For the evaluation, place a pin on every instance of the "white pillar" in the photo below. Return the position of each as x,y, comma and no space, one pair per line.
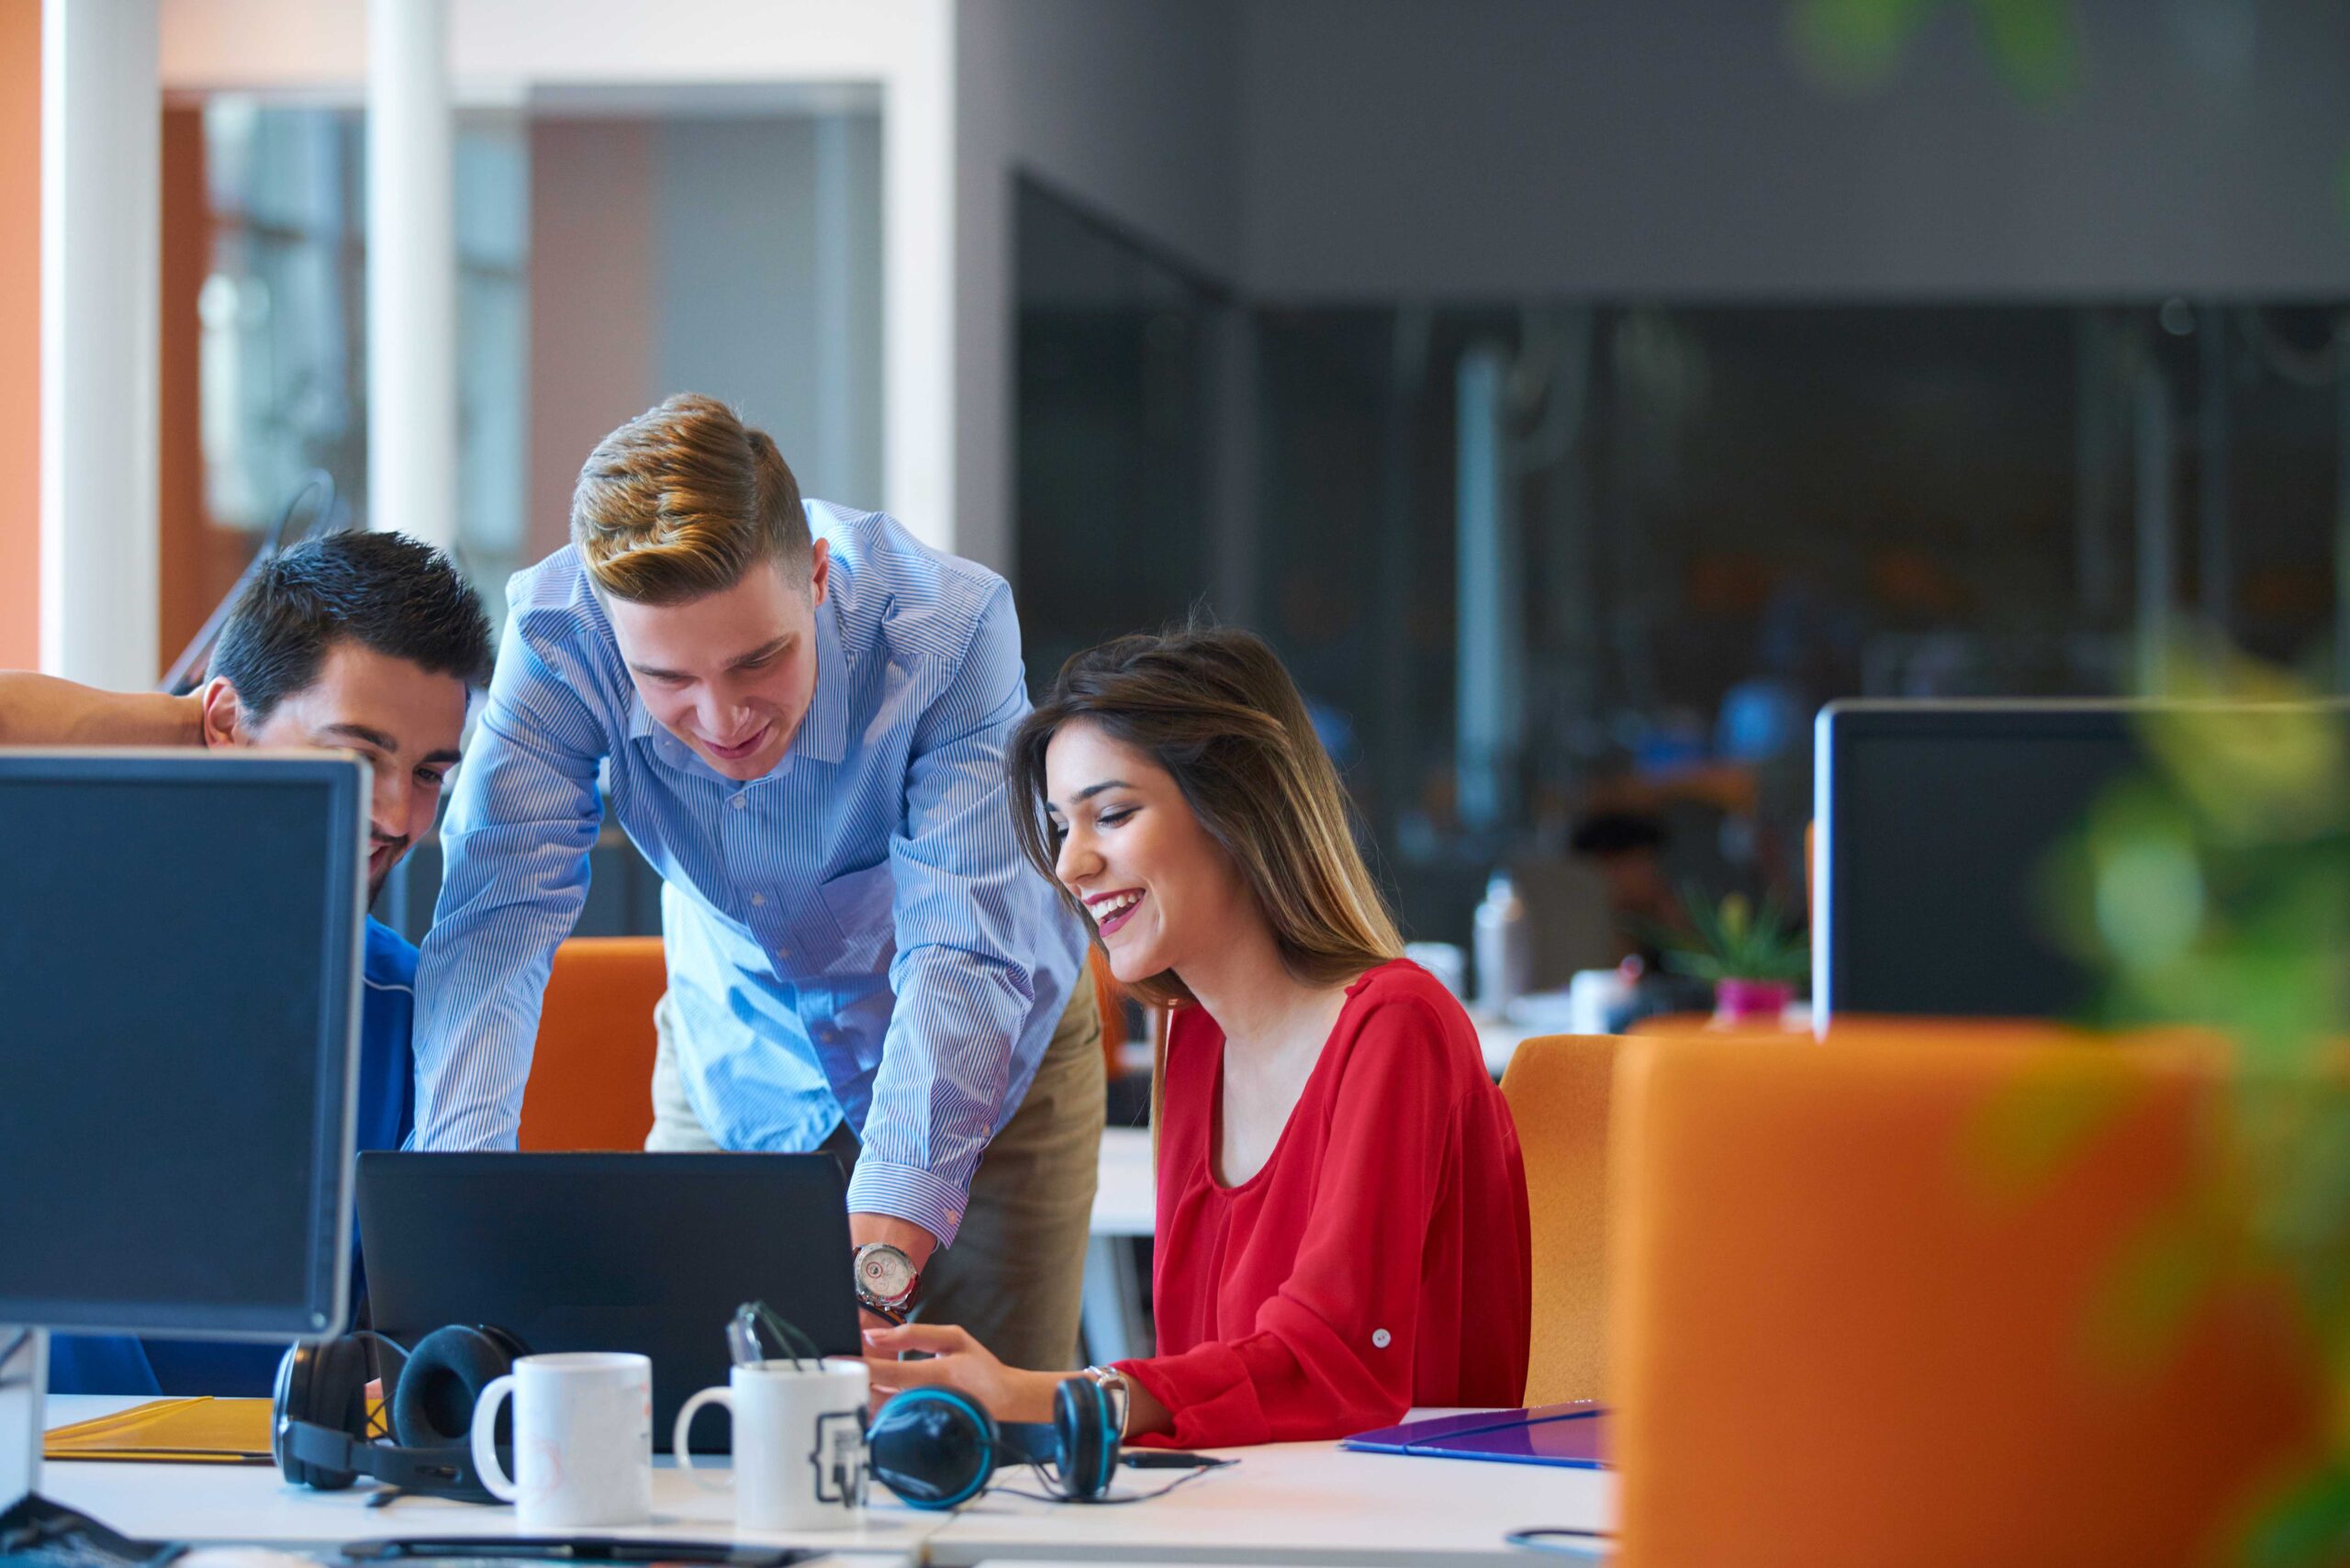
411,273
921,350
1487,549
101,200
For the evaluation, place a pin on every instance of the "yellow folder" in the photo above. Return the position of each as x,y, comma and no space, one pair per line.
172,1431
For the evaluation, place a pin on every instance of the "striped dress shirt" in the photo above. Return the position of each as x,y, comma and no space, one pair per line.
853,936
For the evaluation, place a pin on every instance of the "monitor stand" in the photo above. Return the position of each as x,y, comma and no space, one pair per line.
23,1385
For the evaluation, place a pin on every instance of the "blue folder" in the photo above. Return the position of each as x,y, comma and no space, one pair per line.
1573,1434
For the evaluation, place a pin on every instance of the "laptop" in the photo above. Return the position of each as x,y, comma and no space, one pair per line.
644,1252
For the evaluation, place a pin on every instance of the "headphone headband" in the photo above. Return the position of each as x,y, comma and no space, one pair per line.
439,1472
320,1434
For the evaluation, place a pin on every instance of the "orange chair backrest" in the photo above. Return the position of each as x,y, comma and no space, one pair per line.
591,1075
1872,1303
1110,998
1558,1087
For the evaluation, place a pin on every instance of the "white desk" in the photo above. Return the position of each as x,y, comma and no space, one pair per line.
252,1503
1126,1206
1126,1200
1298,1504
1498,1041
1295,1503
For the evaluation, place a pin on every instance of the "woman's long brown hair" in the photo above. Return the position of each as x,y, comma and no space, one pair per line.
1213,707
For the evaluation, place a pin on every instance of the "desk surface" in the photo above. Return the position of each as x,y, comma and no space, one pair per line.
252,1503
1126,1202
1290,1504
1295,1503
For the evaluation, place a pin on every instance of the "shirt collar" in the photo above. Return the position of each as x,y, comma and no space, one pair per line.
823,734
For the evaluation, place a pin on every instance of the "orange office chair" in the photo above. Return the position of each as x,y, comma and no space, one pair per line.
591,1076
1558,1087
1895,1298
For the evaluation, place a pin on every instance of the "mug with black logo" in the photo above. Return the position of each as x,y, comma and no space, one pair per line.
800,1462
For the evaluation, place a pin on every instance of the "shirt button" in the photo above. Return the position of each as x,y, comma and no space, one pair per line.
1379,1339
758,898
783,952
736,802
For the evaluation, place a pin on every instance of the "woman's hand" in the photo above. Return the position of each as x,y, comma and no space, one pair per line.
960,1363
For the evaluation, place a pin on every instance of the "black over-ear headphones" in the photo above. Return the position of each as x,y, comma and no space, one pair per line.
937,1447
319,1431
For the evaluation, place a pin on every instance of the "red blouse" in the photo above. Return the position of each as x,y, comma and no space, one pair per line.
1380,1258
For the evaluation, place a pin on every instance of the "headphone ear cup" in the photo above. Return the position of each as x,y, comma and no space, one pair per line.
433,1403
933,1447
321,1386
1088,1447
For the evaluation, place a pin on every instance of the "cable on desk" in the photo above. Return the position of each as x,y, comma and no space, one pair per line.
1045,1476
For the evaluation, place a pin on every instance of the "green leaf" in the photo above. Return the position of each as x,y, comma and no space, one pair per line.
1854,44
2034,43
2308,1526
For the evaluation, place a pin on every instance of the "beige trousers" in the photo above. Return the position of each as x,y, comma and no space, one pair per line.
1015,1276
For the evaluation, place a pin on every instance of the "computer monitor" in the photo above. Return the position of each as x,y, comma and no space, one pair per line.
180,940
1935,823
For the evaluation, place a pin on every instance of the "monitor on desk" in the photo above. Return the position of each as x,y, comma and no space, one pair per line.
179,957
1935,824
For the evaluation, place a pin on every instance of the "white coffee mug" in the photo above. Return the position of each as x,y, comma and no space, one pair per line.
799,1442
583,1440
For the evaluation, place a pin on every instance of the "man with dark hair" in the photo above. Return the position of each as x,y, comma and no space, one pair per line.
368,643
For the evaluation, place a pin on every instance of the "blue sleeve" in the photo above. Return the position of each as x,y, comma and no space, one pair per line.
100,1364
515,844
975,925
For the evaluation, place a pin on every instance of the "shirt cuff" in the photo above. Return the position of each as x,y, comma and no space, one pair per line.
1207,1392
908,1193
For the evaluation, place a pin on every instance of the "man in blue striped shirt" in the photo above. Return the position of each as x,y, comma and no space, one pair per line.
799,715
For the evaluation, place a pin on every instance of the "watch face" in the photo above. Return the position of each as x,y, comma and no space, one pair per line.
886,1273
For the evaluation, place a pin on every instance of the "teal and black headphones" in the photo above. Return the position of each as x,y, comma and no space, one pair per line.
937,1447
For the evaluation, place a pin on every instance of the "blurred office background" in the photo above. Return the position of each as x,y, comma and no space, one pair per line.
1577,395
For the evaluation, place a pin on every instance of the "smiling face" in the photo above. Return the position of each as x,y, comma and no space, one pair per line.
731,674
404,719
1158,886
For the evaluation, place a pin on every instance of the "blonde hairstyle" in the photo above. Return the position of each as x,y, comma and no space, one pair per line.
682,501
1213,707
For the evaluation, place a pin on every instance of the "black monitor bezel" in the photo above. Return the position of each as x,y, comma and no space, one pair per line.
345,782
1840,724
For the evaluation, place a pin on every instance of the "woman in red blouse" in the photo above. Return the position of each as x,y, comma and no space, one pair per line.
1342,1223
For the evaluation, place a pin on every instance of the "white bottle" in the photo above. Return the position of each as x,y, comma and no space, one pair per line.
1505,947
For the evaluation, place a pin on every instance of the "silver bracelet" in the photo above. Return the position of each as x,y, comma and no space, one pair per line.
1113,1383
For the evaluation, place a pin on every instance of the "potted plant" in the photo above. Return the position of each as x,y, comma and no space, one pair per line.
2213,889
1753,957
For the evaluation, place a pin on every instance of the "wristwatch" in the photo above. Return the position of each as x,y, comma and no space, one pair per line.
1113,1385
886,1281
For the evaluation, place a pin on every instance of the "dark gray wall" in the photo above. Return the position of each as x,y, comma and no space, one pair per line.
1465,148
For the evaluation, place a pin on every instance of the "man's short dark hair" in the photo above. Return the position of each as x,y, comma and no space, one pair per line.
389,593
